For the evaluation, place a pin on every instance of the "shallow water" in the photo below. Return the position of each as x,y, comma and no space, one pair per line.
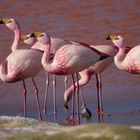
88,21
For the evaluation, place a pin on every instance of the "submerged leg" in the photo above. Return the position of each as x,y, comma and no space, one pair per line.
37,100
46,93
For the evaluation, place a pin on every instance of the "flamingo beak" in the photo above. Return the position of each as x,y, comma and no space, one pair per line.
66,104
4,21
36,34
108,38
1,22
32,35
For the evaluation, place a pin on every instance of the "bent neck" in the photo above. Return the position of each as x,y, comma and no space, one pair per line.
16,39
118,59
46,58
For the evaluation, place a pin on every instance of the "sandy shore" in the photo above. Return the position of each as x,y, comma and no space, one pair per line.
18,128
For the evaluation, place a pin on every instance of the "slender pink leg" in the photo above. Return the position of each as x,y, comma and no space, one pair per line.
46,93
37,100
25,97
66,86
66,82
77,98
73,94
54,96
82,98
99,94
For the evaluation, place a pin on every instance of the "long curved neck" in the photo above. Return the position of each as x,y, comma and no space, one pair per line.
6,76
3,72
16,39
46,58
118,59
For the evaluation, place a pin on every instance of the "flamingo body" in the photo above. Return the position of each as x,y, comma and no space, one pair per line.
97,68
21,64
131,63
70,59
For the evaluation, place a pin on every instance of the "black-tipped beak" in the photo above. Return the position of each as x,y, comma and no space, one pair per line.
108,38
32,35
1,22
66,104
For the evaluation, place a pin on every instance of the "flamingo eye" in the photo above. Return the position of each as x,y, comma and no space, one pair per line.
10,21
41,35
116,38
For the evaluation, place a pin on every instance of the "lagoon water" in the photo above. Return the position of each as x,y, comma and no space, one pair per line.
88,21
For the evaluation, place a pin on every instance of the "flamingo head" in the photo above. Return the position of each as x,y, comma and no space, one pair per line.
118,40
67,99
41,37
28,39
11,23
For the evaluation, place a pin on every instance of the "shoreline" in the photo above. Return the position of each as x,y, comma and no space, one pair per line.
25,128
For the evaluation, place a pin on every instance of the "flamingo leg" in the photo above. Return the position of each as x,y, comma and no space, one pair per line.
66,86
73,94
54,96
46,93
37,100
99,94
66,82
25,97
86,113
100,118
77,98
82,98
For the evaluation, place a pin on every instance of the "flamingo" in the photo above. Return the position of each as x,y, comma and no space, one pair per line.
69,59
20,63
129,63
57,43
96,69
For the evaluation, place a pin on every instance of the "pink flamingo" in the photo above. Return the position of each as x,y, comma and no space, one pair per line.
56,44
20,63
129,63
69,59
30,40
96,69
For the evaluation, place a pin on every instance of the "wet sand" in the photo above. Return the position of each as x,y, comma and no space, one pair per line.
85,21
